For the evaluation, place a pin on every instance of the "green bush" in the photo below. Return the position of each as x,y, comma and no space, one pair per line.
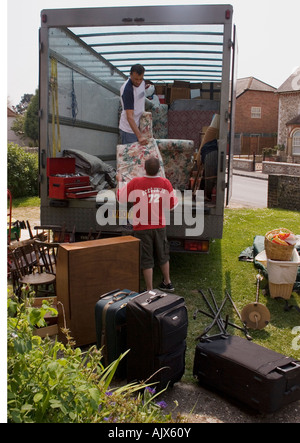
49,382
22,172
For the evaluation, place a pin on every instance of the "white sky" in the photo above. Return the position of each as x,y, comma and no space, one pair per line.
268,37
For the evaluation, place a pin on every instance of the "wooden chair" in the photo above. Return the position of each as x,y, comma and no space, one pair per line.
55,233
47,232
26,269
47,253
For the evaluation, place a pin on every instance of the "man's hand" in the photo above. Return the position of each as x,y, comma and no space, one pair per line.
130,117
142,140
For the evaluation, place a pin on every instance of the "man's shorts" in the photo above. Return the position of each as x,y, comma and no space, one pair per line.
154,242
127,137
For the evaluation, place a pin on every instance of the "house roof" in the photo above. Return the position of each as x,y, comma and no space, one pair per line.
292,83
294,121
252,84
11,113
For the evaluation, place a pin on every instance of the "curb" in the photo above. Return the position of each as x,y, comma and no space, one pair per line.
255,174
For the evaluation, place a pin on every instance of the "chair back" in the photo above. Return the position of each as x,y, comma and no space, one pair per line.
47,253
23,258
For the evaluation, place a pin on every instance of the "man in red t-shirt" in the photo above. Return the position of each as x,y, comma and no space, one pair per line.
152,195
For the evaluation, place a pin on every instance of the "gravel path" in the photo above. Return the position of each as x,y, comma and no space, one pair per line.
201,405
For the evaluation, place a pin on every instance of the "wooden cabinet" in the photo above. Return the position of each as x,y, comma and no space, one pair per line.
85,271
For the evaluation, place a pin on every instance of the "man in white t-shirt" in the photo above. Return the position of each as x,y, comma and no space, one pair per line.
132,94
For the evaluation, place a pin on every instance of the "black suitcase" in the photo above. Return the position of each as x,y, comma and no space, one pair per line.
259,377
156,336
110,318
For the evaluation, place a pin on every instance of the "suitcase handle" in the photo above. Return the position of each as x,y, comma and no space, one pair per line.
108,293
154,297
116,295
117,298
290,367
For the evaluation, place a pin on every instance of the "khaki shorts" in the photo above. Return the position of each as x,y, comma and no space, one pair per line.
154,242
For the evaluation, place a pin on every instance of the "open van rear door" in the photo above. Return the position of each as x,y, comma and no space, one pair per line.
232,115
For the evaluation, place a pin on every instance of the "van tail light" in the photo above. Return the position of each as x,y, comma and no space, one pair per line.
196,245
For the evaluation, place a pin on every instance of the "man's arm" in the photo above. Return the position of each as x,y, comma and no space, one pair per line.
172,196
130,117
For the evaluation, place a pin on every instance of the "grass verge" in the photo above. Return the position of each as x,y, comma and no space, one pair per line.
25,201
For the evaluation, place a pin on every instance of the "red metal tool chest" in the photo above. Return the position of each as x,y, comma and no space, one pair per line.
64,182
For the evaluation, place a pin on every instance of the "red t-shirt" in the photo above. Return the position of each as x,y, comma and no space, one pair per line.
152,196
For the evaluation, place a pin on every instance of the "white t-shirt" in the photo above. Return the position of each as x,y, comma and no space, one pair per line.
132,97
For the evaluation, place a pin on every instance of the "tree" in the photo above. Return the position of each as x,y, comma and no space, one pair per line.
23,105
31,122
26,123
18,126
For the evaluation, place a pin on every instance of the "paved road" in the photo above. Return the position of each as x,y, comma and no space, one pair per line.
249,192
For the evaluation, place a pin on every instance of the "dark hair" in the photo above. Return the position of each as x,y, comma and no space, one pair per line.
152,165
139,69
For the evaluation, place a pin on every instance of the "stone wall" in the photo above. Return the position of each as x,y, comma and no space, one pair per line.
247,164
283,192
243,164
281,168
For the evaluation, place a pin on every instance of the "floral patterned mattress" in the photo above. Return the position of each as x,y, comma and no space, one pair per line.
175,155
131,159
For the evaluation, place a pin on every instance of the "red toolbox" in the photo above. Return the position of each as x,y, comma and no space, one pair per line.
64,182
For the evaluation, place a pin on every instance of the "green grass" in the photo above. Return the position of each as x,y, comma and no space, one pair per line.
221,270
25,201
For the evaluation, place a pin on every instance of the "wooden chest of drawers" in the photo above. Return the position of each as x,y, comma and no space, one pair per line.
85,271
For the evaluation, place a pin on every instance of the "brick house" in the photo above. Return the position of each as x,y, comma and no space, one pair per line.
289,116
256,116
11,136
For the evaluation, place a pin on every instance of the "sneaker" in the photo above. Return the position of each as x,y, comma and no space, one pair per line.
166,287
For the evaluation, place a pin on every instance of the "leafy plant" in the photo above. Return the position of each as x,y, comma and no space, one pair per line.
22,171
49,382
269,152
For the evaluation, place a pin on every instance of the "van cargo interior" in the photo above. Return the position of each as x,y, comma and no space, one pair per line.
86,56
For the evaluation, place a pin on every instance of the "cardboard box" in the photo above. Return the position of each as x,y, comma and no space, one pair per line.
177,93
160,89
161,92
181,84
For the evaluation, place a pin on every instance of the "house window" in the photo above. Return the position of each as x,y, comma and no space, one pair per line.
255,112
296,142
